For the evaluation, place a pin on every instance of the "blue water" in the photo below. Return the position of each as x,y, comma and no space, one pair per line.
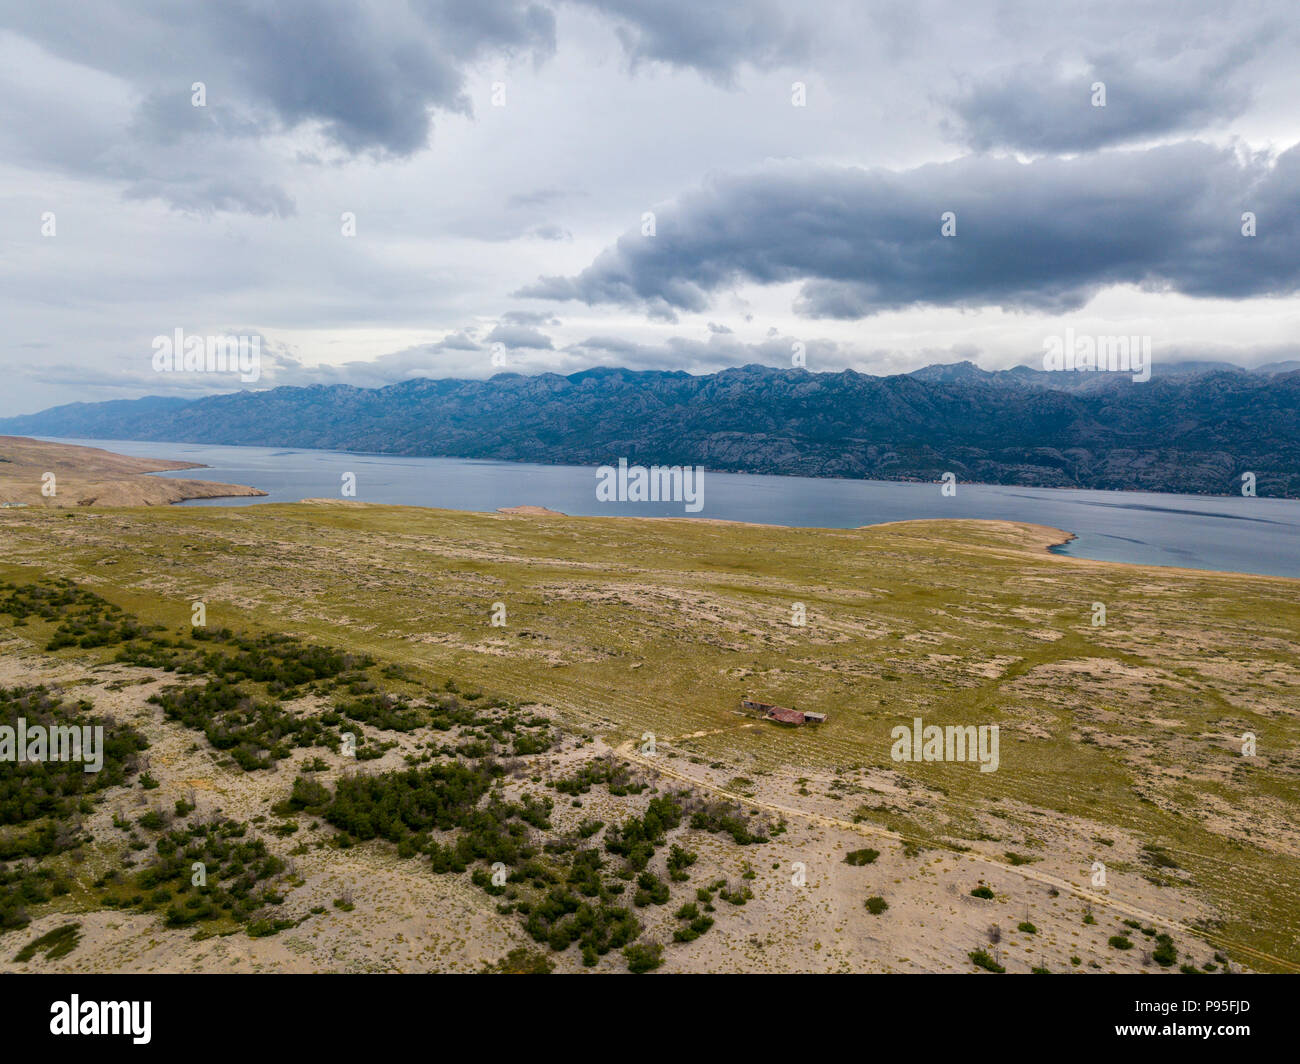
1195,531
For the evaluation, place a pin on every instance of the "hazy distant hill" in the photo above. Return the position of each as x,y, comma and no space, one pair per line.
1028,377
1193,431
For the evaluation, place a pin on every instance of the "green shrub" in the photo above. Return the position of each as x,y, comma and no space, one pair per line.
54,944
643,956
981,959
1165,954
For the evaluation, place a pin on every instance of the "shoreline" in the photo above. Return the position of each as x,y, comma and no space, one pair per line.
40,474
1048,538
133,471
723,472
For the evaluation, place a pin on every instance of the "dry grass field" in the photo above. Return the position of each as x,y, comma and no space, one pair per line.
1121,743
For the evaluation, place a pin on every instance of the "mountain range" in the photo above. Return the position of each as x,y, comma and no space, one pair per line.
1193,427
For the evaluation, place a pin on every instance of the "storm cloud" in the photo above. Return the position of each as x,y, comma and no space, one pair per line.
369,72
366,77
1044,235
355,191
1059,104
713,39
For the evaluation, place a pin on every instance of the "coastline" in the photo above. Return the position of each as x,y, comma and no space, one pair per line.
127,487
45,475
543,463
1036,541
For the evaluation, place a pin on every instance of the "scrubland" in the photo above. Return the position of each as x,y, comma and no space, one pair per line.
1121,744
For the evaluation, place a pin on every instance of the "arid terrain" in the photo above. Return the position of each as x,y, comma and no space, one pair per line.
1124,828
61,475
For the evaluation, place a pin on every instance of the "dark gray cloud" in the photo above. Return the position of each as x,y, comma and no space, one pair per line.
168,118
1045,235
1047,105
529,317
712,38
367,76
229,215
369,73
457,341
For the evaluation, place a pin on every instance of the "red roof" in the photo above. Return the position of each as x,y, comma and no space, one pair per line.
786,716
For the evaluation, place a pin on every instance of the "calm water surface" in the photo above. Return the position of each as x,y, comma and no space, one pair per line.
1197,531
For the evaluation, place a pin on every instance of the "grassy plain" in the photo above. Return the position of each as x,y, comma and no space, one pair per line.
1120,743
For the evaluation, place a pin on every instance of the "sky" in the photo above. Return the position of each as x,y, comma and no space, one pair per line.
457,188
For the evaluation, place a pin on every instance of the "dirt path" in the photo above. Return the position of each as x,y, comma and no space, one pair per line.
628,750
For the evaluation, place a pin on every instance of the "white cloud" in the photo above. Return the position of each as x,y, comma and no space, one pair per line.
230,218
